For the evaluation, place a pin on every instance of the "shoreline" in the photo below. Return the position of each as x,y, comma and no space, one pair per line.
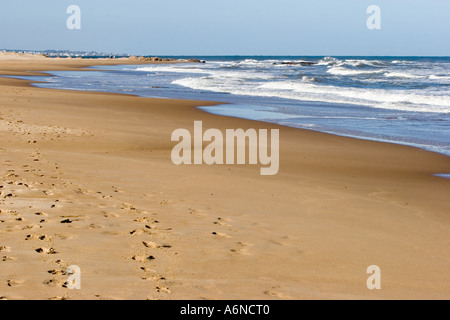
407,144
337,206
435,144
218,103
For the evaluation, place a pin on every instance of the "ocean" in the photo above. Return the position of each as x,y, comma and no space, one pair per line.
403,100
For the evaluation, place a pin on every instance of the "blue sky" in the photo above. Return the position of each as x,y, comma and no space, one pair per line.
229,27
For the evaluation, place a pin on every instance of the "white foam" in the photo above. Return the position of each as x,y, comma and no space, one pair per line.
363,63
210,71
173,69
402,75
402,62
308,79
435,77
299,90
328,61
342,71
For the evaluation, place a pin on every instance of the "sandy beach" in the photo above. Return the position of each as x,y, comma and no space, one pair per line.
87,180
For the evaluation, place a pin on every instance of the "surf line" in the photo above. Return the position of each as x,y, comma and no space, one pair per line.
229,148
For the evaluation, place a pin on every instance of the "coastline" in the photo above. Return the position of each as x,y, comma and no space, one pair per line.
337,206
270,92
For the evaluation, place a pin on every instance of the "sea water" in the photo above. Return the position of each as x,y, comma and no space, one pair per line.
403,100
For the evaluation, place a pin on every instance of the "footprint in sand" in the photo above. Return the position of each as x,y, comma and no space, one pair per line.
48,192
8,258
143,220
46,250
83,191
96,226
164,202
57,272
241,248
276,294
219,234
154,278
128,206
5,249
14,282
31,227
42,237
61,263
146,269
117,189
196,212
53,283
153,245
163,290
136,232
221,222
43,214
45,238
9,195
150,244
110,215
31,237
142,258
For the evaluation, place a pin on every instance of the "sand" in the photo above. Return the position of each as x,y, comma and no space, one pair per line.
87,180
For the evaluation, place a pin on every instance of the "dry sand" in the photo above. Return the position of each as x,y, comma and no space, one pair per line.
87,180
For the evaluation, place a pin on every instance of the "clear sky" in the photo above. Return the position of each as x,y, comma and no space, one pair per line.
229,27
